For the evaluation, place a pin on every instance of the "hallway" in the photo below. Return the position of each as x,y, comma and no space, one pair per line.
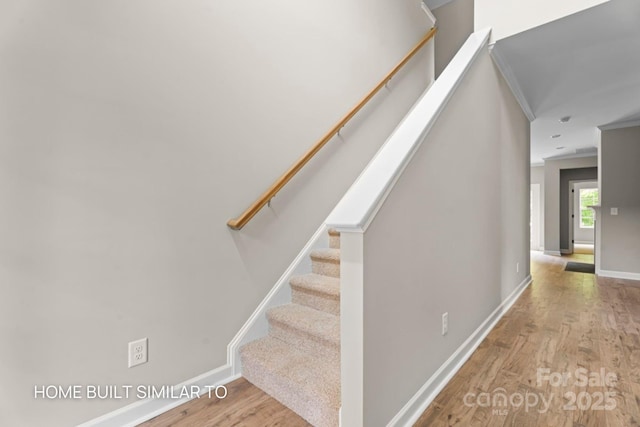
566,330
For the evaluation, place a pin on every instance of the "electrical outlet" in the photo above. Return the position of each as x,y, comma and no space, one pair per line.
614,211
445,323
138,352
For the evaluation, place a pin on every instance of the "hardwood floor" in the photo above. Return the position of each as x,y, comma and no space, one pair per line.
564,324
579,248
245,405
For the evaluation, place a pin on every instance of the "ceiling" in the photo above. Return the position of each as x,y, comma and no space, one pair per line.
586,66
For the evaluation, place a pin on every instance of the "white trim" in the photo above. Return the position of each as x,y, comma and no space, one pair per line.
352,328
257,325
620,125
410,413
571,219
597,245
618,274
571,156
427,11
512,82
535,215
358,207
552,253
143,410
583,242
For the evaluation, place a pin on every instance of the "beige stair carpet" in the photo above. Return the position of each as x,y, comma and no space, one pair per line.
298,363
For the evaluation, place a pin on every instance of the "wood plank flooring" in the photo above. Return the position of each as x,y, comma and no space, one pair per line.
245,405
563,322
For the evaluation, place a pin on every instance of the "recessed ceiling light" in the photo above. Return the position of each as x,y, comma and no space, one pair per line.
557,135
565,119
559,148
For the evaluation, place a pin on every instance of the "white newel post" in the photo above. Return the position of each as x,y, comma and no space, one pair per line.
351,328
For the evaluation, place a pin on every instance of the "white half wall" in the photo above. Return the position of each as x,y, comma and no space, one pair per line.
413,270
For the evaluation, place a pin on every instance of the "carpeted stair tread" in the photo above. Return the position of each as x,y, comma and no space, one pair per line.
317,291
317,283
298,362
307,322
327,255
326,262
307,385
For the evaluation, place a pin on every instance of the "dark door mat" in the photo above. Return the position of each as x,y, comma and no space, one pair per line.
580,267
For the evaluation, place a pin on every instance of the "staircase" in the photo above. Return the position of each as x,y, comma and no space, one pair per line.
298,362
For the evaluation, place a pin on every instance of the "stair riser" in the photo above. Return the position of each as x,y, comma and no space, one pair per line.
308,407
328,351
334,242
321,302
326,268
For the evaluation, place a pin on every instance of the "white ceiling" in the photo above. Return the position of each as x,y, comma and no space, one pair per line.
586,66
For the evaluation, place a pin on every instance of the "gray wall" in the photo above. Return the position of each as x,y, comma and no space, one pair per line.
130,132
414,271
455,24
552,170
566,175
620,187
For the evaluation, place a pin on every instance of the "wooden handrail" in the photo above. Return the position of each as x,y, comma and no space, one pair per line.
245,217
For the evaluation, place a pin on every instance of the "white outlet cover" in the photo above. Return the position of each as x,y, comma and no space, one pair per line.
138,352
614,211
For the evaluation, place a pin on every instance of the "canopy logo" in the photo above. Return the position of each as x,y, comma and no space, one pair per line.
501,402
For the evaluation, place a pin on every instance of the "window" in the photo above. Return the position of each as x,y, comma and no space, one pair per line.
588,197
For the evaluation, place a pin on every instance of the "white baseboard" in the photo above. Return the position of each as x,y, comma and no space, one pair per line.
565,252
618,274
410,413
553,253
583,242
143,410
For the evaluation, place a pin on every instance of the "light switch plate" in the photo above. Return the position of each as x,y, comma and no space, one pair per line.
614,211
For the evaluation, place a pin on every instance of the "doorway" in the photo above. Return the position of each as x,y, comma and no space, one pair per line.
582,219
